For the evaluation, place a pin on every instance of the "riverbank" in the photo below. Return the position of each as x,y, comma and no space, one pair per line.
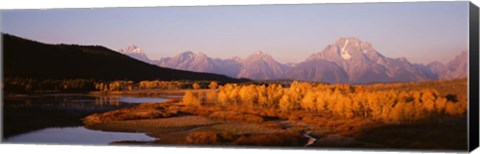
173,123
162,93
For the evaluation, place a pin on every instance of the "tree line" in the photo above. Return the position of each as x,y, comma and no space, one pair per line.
149,84
384,104
29,85
22,85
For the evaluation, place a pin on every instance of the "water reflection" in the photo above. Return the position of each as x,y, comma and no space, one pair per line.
141,99
76,135
117,100
107,101
23,114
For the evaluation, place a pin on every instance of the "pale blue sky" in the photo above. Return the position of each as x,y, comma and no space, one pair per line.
422,32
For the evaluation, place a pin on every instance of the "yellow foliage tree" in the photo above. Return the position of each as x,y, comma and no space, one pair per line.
211,97
192,99
397,114
223,97
308,101
321,102
213,85
196,86
285,103
188,98
248,95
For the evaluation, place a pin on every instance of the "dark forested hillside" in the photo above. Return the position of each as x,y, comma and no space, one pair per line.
30,59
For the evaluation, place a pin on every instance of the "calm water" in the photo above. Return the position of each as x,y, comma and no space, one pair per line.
56,118
76,135
140,99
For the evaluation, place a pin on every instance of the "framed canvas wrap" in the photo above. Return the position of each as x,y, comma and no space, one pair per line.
361,76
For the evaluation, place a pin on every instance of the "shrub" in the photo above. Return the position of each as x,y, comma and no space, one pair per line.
204,137
235,116
276,139
272,124
252,118
293,117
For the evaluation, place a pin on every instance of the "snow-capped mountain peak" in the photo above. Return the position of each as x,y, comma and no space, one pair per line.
135,52
259,52
347,60
201,54
344,52
355,61
185,55
351,46
259,55
236,58
132,48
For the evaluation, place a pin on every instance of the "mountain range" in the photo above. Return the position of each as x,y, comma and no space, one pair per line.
348,60
28,59
455,68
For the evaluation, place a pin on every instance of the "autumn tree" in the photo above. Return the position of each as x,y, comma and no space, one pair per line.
196,86
374,105
440,104
213,85
321,102
395,103
192,99
428,99
233,96
397,114
274,94
285,103
211,96
309,101
262,96
188,98
248,95
223,97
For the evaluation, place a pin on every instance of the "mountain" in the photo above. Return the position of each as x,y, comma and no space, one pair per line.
455,68
433,70
230,67
261,66
350,60
318,70
258,66
200,62
133,51
30,59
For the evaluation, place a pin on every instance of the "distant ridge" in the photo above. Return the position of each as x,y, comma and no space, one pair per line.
25,58
347,60
350,60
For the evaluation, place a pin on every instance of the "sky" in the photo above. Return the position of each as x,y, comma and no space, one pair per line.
422,32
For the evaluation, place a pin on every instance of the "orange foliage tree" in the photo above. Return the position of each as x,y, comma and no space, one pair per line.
383,102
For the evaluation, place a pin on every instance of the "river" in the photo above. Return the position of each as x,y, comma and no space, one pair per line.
56,118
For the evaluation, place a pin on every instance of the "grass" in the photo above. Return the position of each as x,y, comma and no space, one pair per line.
235,116
239,128
151,125
440,136
283,139
142,111
230,133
